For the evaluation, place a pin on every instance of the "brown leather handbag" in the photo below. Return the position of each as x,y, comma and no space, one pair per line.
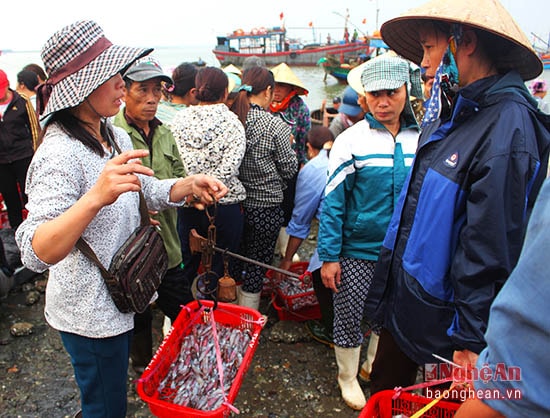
137,268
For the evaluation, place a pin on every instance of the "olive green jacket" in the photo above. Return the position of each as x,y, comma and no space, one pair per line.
164,159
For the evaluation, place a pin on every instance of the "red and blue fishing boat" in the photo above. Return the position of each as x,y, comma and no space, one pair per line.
274,47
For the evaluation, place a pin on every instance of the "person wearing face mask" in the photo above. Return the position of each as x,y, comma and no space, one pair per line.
457,231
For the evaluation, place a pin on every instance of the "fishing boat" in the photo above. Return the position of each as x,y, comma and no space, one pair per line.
543,49
339,68
274,47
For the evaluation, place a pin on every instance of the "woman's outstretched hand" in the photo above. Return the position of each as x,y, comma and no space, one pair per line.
119,176
205,190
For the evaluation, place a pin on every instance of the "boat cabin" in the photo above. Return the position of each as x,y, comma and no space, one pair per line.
258,41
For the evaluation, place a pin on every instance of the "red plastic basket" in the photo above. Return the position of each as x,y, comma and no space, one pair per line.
381,405
285,314
225,314
269,283
304,297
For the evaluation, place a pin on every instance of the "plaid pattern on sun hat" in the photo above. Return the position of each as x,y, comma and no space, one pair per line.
78,59
401,33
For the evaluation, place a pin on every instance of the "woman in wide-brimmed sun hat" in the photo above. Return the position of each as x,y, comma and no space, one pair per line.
77,185
457,232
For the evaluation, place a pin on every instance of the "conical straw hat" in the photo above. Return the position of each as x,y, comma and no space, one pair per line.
232,69
401,33
283,74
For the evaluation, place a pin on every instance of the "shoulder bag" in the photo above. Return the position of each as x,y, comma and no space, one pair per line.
138,266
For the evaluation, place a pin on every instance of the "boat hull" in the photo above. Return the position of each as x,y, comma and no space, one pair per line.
298,57
339,73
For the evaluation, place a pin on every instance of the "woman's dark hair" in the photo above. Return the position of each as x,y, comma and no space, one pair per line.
28,78
37,69
74,127
256,79
184,79
211,83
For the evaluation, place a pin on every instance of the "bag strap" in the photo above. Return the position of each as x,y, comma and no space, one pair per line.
144,212
87,250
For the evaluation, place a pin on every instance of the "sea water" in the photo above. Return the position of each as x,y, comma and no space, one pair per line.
313,78
170,57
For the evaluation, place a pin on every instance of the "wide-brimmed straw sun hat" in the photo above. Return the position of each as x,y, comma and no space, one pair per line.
283,74
78,59
401,33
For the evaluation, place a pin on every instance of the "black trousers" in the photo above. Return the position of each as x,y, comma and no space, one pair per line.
391,367
12,188
324,297
288,199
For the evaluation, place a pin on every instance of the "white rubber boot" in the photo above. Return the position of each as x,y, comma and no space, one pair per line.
166,325
348,365
250,300
366,367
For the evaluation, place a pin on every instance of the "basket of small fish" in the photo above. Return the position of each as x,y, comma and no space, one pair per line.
293,297
296,293
199,367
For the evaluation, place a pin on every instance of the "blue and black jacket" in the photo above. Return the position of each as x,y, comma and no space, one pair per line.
458,228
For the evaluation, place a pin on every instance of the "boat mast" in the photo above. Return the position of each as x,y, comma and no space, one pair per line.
377,13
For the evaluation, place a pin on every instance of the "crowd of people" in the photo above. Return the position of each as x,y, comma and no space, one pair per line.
427,188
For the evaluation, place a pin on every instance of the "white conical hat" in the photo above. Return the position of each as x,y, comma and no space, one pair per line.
401,33
232,69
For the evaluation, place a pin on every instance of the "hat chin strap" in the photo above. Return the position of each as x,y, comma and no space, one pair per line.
103,118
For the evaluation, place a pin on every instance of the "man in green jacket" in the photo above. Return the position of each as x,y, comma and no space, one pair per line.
142,95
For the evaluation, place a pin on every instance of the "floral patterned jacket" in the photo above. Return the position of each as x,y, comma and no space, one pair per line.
298,117
211,140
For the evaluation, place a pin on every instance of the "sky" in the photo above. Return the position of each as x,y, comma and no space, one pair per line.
192,22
